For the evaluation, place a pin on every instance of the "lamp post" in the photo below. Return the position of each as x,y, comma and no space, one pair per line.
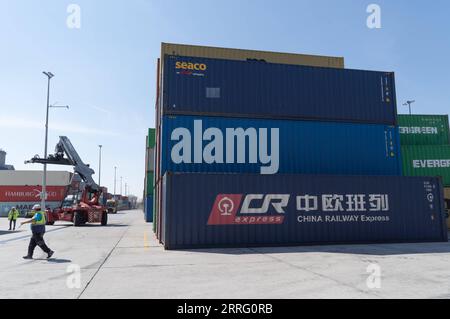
121,178
44,176
115,181
408,103
99,164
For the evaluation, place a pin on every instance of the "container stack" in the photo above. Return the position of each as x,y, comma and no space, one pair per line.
149,175
254,150
23,189
425,141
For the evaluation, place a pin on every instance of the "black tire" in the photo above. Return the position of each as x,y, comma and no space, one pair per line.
104,219
78,219
51,223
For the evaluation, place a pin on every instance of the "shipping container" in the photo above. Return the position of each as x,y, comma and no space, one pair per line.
424,129
239,210
24,207
150,181
149,209
146,153
251,55
155,210
31,193
427,160
32,178
151,138
232,145
195,86
447,204
150,156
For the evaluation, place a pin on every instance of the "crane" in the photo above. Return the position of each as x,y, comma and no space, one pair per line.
88,209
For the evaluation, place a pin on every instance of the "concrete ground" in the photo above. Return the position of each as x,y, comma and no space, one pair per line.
124,260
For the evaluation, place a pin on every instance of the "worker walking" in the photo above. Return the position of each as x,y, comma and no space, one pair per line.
12,217
38,229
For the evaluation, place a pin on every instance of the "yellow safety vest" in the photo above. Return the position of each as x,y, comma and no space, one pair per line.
13,214
39,218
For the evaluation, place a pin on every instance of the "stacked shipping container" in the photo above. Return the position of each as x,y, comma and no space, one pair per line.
149,175
235,116
252,56
425,141
23,189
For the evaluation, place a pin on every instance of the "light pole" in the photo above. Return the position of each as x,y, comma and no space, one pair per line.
125,189
408,103
99,164
121,185
115,181
44,176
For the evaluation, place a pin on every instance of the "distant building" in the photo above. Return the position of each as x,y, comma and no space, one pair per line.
3,166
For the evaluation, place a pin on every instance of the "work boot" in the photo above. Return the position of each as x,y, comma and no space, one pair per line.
50,254
27,257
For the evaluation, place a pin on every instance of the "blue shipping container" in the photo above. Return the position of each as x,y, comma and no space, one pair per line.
232,145
200,86
239,210
149,209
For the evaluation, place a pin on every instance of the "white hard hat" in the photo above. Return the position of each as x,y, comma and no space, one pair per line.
36,207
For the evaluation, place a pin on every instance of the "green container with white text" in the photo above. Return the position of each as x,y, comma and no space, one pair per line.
424,129
427,160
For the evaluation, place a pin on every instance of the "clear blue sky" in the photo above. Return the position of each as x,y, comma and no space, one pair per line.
106,70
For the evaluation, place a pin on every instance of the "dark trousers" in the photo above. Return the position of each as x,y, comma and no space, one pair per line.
37,240
11,222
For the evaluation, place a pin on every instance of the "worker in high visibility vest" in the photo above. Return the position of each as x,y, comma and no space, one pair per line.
12,217
38,229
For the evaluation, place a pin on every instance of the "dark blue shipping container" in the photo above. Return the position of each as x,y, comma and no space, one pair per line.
149,209
238,210
204,144
200,86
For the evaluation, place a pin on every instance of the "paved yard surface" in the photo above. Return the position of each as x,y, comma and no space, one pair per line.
124,260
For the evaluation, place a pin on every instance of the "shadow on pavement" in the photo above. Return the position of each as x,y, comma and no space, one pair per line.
59,261
109,225
369,249
7,232
54,260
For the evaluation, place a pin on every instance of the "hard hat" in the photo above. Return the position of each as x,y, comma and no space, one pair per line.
13,208
36,207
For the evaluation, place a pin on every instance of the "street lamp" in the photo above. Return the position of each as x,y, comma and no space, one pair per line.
99,164
408,103
121,178
44,177
115,179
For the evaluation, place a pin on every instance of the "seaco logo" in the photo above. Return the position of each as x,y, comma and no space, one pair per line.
233,146
190,66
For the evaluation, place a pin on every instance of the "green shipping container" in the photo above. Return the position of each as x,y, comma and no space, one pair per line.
427,160
149,181
424,129
151,139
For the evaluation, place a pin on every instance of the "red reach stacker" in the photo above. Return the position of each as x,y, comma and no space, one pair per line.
83,205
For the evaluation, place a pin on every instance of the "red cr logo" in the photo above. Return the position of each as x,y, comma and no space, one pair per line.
226,208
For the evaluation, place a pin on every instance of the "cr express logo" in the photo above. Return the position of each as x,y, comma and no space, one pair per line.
254,210
190,66
270,209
